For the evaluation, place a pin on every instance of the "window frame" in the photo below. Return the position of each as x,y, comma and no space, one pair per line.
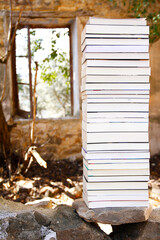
16,111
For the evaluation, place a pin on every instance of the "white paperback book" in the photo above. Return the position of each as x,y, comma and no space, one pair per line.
115,203
98,93
111,36
114,79
120,171
115,71
115,63
112,29
98,116
116,49
115,155
114,137
109,56
114,107
116,185
115,86
115,127
114,42
118,166
124,21
115,146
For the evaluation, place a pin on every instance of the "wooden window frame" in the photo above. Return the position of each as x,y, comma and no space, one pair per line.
16,111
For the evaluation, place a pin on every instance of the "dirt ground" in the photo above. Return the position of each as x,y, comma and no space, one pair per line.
61,182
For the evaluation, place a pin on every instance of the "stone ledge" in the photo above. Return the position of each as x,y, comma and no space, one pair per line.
113,216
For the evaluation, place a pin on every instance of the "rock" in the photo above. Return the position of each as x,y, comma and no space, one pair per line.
149,230
11,209
42,219
23,226
113,216
20,222
69,226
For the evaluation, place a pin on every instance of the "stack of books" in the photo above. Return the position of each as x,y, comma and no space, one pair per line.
115,104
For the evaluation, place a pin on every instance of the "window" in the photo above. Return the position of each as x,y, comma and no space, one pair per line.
57,79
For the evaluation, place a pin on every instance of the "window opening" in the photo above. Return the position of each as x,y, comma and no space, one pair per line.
51,49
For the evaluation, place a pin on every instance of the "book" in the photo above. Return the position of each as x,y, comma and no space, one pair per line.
117,166
114,127
115,63
114,79
115,86
115,71
116,49
115,155
116,92
111,29
119,171
114,107
114,137
117,197
108,56
115,120
115,203
118,160
118,116
118,178
124,21
116,99
116,185
114,41
115,146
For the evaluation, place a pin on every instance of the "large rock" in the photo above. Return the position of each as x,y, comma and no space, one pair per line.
69,226
20,222
149,230
113,216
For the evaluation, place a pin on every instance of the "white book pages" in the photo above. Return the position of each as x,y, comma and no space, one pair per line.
106,29
115,56
115,107
117,185
114,79
114,137
124,21
119,172
116,49
114,178
116,161
119,167
115,146
115,155
116,92
116,100
115,71
116,42
118,204
115,120
102,115
116,63
115,127
115,86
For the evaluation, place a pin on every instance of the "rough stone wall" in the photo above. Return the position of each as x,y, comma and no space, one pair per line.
55,139
155,98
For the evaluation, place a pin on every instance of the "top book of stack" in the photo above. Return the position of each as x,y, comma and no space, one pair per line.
115,39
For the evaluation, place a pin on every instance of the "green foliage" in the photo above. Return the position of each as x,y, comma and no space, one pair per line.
146,9
36,45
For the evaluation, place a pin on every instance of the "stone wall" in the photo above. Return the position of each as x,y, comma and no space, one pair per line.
154,126
55,139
